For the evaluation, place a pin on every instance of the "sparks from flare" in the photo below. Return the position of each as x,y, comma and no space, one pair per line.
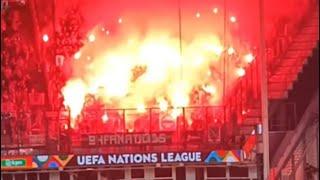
233,19
215,10
231,50
240,72
120,20
77,55
92,38
163,104
141,108
249,58
198,15
45,38
105,118
209,89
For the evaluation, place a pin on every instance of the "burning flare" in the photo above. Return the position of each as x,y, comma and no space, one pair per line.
135,74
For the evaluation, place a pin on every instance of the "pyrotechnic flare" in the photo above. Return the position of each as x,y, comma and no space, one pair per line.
133,73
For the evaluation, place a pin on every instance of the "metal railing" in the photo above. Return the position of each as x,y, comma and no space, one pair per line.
280,161
187,128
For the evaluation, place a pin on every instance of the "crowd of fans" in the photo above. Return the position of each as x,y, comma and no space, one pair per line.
61,50
20,77
31,83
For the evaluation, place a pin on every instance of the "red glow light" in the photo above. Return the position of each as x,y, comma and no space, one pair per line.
249,58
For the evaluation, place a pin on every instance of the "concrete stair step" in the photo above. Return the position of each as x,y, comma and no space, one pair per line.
274,95
297,53
297,40
302,45
312,39
251,121
297,56
283,70
309,34
309,30
313,23
279,86
281,79
292,63
313,18
286,70
246,130
306,38
300,61
256,112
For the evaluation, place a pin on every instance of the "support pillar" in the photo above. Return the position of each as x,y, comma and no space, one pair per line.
227,172
149,173
71,176
317,132
253,172
264,93
174,176
190,173
54,176
127,173
99,175
205,173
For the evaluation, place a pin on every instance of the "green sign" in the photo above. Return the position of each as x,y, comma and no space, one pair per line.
13,163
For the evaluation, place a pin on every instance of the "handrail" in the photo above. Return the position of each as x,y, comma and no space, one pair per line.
294,141
208,132
305,149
